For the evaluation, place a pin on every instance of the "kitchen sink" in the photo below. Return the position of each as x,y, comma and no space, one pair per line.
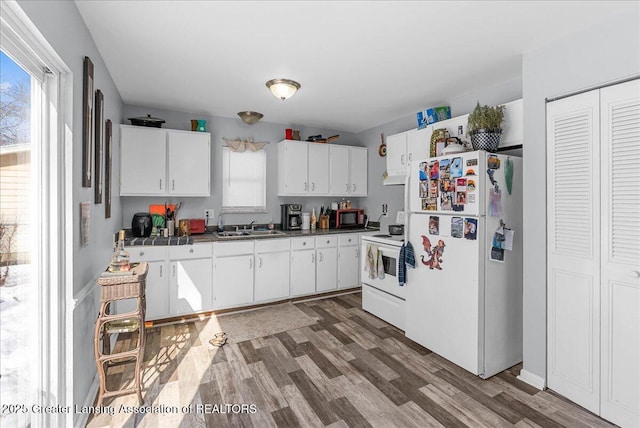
245,233
232,234
265,232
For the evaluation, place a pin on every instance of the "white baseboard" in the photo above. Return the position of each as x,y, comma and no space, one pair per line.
532,379
83,418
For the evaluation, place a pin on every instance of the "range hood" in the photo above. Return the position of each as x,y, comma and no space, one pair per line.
395,179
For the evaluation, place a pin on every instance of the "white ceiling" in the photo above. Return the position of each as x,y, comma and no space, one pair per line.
360,63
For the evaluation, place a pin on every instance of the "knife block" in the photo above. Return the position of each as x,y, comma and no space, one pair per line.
323,222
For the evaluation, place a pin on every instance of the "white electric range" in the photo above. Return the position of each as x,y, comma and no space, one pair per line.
382,295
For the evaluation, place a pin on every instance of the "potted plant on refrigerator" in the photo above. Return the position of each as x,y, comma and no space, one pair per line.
484,127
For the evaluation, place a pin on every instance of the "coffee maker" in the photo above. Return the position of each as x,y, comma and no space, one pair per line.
291,216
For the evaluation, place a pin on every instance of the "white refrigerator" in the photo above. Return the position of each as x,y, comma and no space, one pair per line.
464,298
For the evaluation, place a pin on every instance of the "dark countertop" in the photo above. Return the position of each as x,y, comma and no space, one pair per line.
212,237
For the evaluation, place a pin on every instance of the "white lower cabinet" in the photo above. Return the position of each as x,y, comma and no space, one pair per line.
190,284
303,266
348,261
326,263
272,270
233,274
157,286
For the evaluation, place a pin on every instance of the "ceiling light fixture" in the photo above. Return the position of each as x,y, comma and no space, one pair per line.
283,88
250,117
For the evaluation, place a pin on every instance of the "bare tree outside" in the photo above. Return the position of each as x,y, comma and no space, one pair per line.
15,101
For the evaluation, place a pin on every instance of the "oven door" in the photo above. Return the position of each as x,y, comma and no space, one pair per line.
389,283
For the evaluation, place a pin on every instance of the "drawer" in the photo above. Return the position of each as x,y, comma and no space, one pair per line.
147,253
194,251
302,243
326,241
273,245
232,248
349,239
384,306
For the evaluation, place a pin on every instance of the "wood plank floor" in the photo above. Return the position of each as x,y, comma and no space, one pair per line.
350,369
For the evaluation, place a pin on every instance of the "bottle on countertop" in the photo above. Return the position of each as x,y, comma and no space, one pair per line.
120,258
220,224
313,220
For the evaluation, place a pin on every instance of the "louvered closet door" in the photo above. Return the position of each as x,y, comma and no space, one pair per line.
573,246
620,256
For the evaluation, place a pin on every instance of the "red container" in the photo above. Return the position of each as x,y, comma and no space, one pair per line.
196,225
288,134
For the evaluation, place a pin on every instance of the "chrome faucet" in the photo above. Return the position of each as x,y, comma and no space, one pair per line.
252,225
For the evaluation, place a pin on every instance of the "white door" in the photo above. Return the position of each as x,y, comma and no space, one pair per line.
157,291
190,286
296,171
327,269
234,283
318,169
418,143
348,266
339,170
143,157
397,153
358,171
189,160
620,257
272,276
303,272
573,247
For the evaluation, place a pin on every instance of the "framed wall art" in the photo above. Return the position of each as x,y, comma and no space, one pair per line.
108,151
87,121
99,145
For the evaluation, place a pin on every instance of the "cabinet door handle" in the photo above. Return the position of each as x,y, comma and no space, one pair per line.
410,157
313,186
141,253
313,258
260,260
161,184
347,187
319,257
160,271
354,188
306,186
250,263
635,274
191,250
174,271
304,243
173,184
402,159
357,252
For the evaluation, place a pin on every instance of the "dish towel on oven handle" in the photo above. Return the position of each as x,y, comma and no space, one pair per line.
371,264
407,258
380,265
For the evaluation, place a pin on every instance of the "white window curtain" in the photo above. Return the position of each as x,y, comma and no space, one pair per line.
244,181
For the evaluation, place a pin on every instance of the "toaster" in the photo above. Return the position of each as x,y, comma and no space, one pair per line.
197,225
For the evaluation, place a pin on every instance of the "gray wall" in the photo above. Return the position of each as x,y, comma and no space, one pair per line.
460,104
61,25
601,54
220,127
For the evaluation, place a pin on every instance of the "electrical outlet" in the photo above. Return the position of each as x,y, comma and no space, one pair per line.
209,214
400,217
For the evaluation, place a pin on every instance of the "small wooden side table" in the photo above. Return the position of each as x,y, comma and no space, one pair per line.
112,289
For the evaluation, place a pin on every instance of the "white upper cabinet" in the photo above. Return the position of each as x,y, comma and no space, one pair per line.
397,154
189,163
339,170
358,171
158,161
418,142
143,159
293,168
317,169
512,125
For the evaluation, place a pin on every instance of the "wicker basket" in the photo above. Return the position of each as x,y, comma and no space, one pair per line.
489,141
125,286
